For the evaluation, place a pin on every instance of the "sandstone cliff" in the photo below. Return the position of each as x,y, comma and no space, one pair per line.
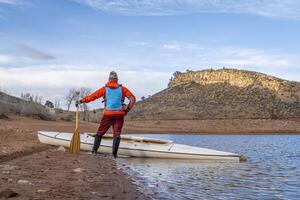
222,94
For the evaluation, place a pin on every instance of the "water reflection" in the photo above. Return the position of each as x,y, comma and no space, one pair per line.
272,170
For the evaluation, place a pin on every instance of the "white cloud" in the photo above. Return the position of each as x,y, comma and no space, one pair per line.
193,56
268,8
12,2
139,43
54,81
144,73
244,57
5,58
176,45
172,46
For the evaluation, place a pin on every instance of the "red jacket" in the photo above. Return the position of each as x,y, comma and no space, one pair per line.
101,93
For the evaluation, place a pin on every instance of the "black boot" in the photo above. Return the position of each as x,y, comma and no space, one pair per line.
115,146
96,144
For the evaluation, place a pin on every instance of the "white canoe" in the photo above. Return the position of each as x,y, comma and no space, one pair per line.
139,147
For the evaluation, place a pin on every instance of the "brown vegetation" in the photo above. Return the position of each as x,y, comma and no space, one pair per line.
222,94
13,105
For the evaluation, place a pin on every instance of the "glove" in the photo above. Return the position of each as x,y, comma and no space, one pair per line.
126,111
78,102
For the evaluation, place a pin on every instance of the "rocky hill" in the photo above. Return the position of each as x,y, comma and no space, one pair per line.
14,105
222,94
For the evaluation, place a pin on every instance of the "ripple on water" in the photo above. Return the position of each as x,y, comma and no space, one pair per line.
271,172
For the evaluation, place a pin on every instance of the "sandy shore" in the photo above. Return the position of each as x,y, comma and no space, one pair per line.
222,126
228,126
54,174
31,170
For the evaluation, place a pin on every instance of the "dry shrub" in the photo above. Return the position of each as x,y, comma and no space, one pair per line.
14,105
67,118
3,116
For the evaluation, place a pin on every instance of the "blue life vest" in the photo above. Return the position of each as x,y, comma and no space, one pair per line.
113,98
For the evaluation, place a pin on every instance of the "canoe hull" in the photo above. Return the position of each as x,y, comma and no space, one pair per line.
168,150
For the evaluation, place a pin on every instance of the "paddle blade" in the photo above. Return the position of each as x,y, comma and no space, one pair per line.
75,143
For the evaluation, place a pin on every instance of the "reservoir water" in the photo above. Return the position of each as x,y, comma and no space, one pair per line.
272,170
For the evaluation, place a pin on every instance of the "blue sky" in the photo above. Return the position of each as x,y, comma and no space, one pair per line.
49,46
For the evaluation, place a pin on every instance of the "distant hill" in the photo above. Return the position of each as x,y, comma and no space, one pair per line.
14,105
222,94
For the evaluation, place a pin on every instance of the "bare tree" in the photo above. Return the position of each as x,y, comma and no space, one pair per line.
38,99
32,98
84,91
35,97
27,96
57,103
70,97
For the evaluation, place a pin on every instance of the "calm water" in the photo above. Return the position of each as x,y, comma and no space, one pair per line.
271,172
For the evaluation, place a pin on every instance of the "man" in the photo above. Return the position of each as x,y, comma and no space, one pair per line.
114,95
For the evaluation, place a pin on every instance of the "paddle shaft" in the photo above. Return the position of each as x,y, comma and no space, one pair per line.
77,121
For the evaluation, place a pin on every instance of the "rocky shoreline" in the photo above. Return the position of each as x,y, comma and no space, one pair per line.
55,174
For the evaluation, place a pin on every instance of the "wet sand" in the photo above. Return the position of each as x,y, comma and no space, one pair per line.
53,174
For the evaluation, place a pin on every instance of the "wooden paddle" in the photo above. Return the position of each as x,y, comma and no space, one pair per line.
75,142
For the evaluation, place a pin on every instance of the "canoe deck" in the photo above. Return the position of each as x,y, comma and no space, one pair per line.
132,146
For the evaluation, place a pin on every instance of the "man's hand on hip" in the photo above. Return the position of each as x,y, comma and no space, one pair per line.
126,110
